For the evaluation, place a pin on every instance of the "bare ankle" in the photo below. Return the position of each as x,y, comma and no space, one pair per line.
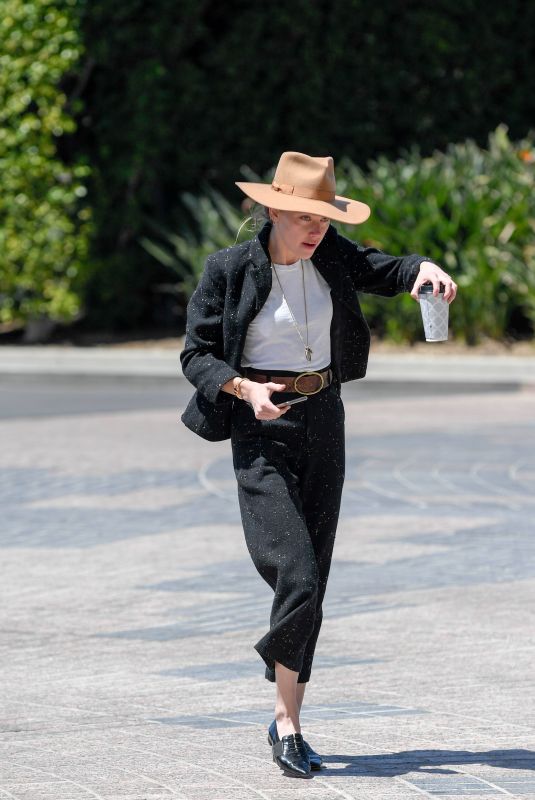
287,722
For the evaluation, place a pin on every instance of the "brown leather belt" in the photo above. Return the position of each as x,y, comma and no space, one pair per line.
299,382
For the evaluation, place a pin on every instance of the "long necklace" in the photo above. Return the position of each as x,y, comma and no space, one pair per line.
308,351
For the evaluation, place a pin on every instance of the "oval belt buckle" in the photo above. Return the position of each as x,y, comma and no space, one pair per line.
305,375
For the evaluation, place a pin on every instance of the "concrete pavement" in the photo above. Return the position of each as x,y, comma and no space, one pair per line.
130,605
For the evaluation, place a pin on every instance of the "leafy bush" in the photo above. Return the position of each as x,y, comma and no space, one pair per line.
44,220
469,209
472,211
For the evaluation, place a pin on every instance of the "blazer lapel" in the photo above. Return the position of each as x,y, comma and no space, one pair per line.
332,267
254,292
259,272
328,265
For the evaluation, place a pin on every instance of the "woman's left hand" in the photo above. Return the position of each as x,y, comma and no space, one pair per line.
432,273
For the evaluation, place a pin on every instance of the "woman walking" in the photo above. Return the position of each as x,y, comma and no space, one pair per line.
273,330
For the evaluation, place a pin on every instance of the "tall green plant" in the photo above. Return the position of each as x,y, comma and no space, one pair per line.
44,216
215,224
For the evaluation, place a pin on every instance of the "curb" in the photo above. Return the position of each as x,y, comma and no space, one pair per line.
165,363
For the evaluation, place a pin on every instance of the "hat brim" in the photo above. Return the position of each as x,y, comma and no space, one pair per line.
341,209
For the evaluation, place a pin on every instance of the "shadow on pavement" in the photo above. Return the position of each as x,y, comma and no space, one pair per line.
427,762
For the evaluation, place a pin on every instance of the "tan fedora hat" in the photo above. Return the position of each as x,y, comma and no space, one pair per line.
306,183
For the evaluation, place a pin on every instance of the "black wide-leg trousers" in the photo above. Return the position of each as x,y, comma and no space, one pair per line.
290,473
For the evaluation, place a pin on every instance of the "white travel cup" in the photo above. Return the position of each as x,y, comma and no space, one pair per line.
434,313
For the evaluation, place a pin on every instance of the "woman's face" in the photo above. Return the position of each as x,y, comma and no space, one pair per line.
296,234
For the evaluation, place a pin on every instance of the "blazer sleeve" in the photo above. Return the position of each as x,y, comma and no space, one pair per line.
388,275
202,358
377,272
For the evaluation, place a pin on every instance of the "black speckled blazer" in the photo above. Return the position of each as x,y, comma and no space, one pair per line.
233,288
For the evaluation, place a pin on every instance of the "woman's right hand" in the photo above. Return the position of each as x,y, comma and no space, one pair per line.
259,394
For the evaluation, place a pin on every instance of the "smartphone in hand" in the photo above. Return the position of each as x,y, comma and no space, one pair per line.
291,402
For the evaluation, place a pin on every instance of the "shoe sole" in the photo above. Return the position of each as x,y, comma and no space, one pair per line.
289,772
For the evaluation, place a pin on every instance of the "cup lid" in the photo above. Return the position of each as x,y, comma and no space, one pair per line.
427,288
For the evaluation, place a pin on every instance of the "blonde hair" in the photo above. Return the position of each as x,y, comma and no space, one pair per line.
258,215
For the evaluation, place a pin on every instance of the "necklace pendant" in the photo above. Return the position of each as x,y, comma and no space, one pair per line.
308,353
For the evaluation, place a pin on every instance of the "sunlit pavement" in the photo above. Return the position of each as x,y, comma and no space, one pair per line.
130,605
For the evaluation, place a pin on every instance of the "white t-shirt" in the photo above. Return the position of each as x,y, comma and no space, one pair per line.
272,342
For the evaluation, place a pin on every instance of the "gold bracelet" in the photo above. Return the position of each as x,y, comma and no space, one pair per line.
237,390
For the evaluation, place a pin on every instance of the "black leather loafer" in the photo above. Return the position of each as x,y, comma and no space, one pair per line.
291,756
316,761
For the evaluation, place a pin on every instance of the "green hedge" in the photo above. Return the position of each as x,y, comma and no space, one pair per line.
138,102
44,216
470,209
